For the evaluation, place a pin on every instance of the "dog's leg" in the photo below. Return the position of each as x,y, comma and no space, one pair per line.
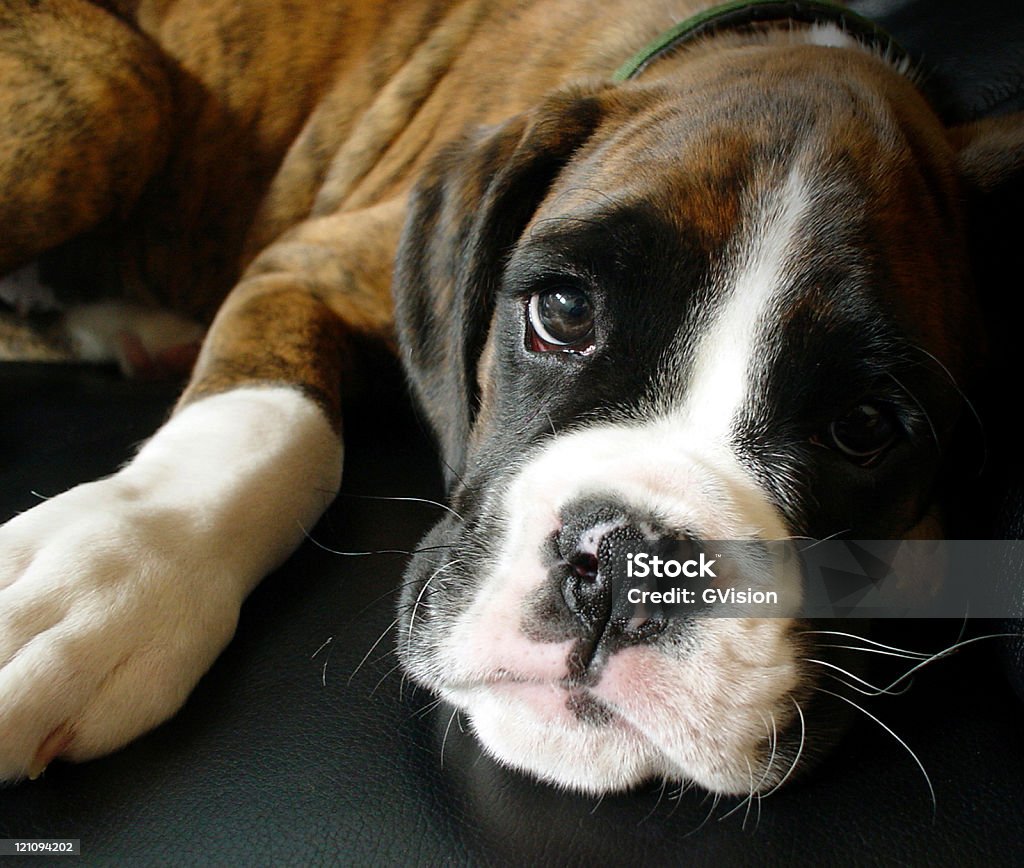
116,596
85,120
85,108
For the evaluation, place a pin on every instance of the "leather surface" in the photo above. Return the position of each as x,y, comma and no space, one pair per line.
292,751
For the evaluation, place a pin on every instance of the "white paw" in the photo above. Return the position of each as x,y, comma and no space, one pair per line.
108,617
116,596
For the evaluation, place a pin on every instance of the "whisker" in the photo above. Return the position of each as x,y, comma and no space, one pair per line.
714,807
323,671
831,536
323,645
875,651
406,552
429,707
906,747
799,750
864,692
385,595
425,500
447,729
963,395
862,639
657,804
956,385
772,737
385,677
874,690
773,740
684,788
750,798
452,471
419,597
366,656
947,651
747,800
920,407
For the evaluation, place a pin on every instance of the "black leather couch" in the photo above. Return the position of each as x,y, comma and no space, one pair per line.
296,750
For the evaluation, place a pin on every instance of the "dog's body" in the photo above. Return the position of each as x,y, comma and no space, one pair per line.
708,269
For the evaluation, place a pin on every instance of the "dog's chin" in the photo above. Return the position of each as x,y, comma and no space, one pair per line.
573,741
531,728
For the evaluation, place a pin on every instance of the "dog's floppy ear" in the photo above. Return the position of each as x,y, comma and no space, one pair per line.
990,153
990,161
465,215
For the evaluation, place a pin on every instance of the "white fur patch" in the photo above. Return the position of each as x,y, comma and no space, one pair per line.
116,596
728,350
833,36
829,36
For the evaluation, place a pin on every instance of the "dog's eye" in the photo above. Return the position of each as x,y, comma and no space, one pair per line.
561,318
865,432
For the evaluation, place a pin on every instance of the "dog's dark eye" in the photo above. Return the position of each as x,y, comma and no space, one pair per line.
561,318
865,432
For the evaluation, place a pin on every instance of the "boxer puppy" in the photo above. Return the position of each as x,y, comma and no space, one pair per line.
725,298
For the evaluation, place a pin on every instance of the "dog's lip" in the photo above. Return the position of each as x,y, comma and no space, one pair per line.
504,679
524,688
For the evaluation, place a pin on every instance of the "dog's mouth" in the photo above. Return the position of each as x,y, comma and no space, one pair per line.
647,716
556,703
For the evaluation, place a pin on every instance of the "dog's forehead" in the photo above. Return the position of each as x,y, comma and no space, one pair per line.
701,222
874,197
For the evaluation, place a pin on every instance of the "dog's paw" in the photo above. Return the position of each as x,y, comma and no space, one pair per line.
110,610
116,596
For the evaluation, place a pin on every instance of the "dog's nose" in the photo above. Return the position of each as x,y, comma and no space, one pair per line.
596,543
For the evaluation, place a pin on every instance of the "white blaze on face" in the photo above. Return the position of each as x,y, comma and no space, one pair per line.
732,349
705,716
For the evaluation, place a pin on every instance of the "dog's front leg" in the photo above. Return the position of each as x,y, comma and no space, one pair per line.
116,596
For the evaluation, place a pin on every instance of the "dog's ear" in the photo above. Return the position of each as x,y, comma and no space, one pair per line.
990,153
465,215
990,160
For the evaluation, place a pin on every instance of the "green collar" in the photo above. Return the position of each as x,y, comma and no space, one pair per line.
742,14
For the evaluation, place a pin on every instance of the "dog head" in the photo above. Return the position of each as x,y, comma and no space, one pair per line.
732,305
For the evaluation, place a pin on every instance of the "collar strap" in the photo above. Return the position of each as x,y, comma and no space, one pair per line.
745,14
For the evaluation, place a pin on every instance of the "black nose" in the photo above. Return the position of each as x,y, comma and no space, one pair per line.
595,542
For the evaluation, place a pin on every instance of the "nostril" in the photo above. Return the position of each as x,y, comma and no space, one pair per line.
585,566
586,591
